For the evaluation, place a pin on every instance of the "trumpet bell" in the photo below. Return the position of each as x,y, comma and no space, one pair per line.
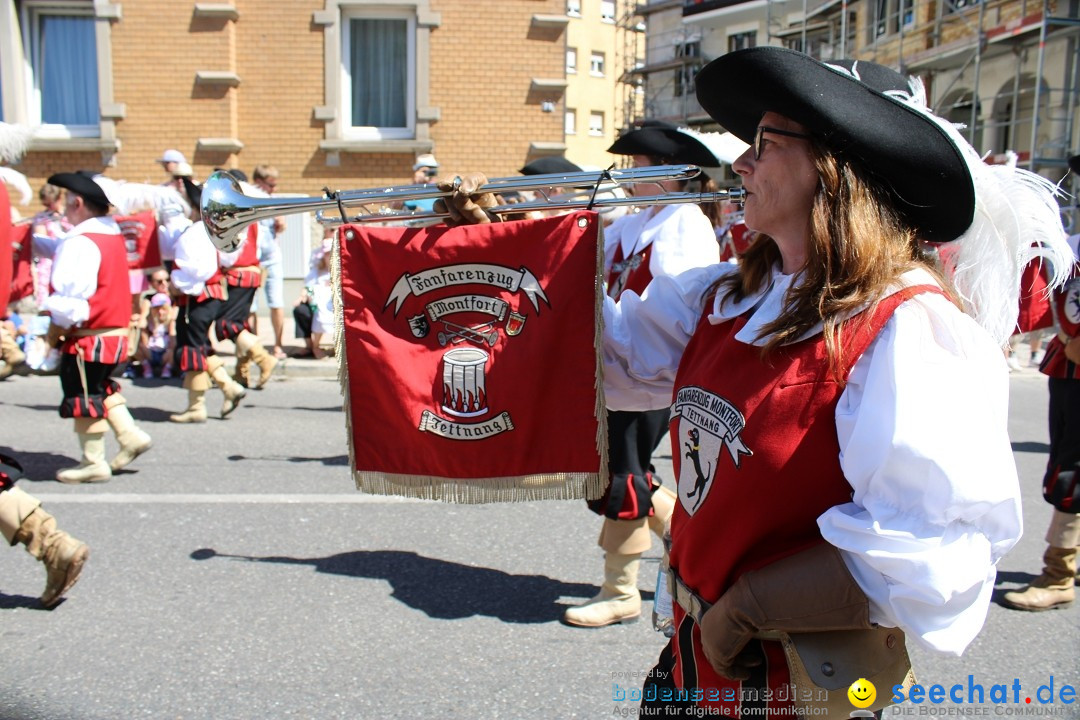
226,210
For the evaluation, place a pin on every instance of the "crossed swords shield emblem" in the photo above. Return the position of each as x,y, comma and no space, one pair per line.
455,333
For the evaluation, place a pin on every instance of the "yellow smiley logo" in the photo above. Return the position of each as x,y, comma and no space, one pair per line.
862,693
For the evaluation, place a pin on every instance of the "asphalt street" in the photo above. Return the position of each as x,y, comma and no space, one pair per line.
236,572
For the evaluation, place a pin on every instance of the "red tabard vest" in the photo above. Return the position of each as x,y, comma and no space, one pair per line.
6,258
213,289
632,274
248,258
110,305
764,433
1066,303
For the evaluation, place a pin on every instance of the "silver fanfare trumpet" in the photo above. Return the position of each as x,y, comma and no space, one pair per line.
226,210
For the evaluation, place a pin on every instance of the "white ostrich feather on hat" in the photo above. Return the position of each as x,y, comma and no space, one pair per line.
17,180
129,198
1017,219
14,140
726,147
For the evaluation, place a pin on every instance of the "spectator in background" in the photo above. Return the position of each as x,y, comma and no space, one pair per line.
47,227
157,340
169,160
314,309
425,172
265,177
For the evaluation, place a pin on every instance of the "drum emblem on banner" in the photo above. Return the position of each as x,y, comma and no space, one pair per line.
707,423
469,324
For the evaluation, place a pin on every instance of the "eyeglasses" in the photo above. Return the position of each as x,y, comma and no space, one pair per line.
759,137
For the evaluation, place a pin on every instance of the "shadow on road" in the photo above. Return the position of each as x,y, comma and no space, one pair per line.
153,414
331,460
1013,580
39,466
444,589
16,602
1030,447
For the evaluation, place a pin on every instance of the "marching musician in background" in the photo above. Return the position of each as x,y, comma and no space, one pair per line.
1054,586
91,307
657,241
197,285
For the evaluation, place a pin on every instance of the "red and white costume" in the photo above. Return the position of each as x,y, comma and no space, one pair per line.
196,274
1063,465
907,468
659,240
655,242
243,276
90,298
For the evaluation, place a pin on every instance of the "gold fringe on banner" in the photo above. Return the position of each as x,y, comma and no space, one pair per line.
595,490
475,491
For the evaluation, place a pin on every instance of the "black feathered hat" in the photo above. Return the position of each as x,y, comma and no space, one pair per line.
668,142
81,183
859,110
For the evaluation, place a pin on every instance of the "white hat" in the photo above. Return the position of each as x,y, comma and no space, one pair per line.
427,160
172,156
182,169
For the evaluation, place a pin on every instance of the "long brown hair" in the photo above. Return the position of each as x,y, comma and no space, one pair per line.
859,246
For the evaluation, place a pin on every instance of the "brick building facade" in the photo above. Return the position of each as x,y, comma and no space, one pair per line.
240,83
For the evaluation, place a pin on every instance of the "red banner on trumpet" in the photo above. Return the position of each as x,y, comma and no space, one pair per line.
470,359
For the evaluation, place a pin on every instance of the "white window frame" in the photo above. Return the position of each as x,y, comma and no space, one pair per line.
571,61
573,8
367,132
21,97
604,16
593,65
593,129
570,122
339,134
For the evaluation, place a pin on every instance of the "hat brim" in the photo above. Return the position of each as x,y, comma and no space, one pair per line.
81,184
906,151
668,144
549,165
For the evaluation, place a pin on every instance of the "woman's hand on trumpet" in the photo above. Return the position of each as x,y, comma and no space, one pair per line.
465,205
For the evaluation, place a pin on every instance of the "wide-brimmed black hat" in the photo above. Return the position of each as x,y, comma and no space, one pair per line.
1074,163
856,110
81,183
548,165
657,138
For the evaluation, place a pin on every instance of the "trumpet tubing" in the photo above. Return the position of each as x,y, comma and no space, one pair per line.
226,210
